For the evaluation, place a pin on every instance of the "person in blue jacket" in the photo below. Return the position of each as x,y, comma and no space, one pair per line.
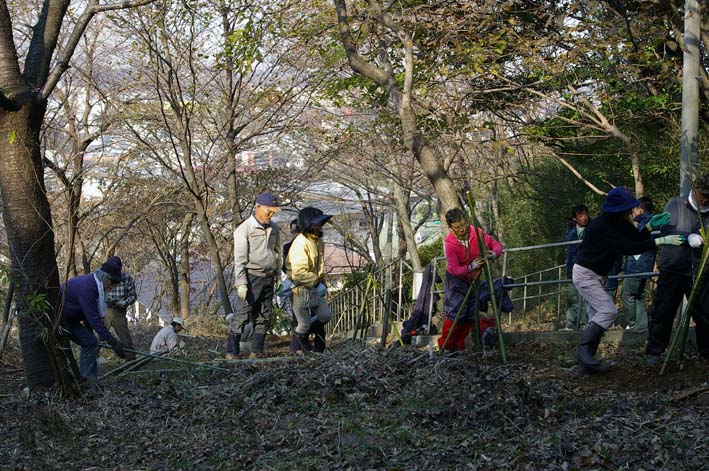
632,292
82,313
575,312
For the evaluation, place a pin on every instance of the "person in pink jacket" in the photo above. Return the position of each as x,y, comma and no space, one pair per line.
464,265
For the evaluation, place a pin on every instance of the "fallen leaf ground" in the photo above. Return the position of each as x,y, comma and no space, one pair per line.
357,407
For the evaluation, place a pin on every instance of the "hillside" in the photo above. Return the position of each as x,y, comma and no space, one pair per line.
360,408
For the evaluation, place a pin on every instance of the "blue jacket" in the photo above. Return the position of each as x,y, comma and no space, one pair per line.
571,249
646,261
81,304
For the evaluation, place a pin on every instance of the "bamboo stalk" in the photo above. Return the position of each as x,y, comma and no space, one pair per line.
680,334
387,310
368,286
488,275
175,360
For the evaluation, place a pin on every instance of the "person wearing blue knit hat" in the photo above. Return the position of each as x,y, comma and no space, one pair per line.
608,236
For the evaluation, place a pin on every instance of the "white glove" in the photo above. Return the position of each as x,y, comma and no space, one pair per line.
491,255
475,264
230,317
241,291
670,240
695,240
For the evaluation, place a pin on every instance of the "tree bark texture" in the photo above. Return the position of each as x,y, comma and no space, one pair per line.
431,163
28,223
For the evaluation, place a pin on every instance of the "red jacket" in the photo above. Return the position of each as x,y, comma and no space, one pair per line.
459,257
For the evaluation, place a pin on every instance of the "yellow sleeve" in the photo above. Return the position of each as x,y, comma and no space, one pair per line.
300,258
321,259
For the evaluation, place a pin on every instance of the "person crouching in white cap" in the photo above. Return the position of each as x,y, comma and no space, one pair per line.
167,340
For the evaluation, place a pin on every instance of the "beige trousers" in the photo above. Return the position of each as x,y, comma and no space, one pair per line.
116,318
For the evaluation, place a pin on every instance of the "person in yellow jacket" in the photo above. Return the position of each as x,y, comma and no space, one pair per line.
305,266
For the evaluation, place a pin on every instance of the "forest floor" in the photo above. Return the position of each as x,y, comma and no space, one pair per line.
357,407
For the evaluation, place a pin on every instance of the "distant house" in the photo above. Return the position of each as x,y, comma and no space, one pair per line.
340,263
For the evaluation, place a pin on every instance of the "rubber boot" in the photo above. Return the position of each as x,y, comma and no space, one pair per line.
294,343
587,348
305,342
257,342
318,328
232,346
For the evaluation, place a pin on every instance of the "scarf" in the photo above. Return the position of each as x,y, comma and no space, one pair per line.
101,297
695,205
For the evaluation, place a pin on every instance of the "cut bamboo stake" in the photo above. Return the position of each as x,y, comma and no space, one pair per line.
387,310
368,286
679,336
488,276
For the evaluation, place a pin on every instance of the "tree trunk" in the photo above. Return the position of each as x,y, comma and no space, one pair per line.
213,249
431,163
185,266
401,204
28,223
495,226
689,144
637,176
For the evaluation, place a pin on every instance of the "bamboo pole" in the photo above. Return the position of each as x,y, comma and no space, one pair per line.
679,336
362,307
175,360
387,311
488,275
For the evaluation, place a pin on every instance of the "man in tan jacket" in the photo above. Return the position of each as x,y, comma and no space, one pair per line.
257,266
305,265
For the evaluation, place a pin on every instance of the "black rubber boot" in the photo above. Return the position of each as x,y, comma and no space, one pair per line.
257,342
305,343
318,328
232,345
294,343
587,348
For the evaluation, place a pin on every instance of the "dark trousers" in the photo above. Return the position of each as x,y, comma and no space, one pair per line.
86,340
670,290
257,307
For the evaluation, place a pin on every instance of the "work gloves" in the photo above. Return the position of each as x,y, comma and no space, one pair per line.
695,240
670,240
659,220
491,255
475,264
117,347
241,291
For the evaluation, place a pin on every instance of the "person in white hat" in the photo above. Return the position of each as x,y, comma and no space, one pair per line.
167,339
